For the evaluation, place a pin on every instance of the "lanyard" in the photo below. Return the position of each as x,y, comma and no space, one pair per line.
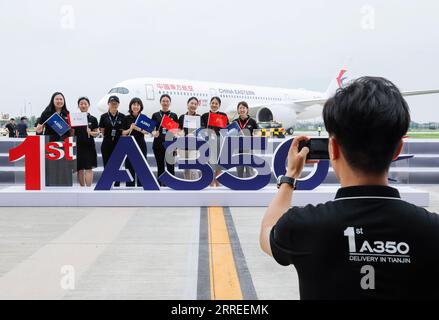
166,113
245,124
113,123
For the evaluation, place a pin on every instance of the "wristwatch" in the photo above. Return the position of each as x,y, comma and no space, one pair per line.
284,179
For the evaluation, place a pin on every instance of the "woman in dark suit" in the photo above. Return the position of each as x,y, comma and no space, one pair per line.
247,125
130,129
160,136
85,145
59,173
215,139
192,105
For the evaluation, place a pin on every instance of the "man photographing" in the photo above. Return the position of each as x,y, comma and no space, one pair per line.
367,243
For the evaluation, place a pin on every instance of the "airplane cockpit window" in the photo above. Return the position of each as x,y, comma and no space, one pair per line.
120,90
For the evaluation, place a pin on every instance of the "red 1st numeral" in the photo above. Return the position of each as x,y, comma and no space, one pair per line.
30,150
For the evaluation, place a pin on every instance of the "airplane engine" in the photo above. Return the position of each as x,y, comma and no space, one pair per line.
280,113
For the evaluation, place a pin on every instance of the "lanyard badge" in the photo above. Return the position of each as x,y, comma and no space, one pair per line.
113,124
164,130
245,124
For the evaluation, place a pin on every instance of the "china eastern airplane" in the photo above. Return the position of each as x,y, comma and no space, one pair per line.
286,106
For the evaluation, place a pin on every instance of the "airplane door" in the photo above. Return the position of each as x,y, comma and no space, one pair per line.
149,92
213,92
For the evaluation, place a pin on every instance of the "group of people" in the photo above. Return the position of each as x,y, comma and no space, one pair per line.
20,130
113,125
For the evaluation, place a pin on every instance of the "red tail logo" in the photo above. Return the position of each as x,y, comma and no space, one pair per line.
340,78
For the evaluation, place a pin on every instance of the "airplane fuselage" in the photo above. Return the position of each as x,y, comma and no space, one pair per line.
266,103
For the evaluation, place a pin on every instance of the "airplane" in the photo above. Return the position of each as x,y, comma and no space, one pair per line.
265,103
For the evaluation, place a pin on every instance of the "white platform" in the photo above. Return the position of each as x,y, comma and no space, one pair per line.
16,196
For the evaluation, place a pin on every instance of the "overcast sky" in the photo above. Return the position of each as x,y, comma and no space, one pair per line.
83,47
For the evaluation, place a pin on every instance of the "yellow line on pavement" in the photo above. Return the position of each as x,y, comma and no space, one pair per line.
224,281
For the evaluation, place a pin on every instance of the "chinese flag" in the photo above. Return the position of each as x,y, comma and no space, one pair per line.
169,124
217,120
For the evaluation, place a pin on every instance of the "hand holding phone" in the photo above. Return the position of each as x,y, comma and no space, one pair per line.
318,148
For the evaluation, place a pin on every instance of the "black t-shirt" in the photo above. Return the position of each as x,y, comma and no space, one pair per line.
157,117
139,136
334,246
22,130
110,123
48,131
81,132
249,123
11,128
205,121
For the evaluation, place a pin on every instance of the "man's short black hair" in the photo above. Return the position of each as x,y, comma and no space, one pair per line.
368,118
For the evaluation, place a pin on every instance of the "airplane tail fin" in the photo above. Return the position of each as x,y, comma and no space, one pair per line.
338,82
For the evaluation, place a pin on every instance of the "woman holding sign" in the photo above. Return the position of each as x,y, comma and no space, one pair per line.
57,105
215,120
188,123
131,129
85,144
53,123
167,121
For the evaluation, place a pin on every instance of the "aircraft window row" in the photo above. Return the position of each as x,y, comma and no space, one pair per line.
195,94
189,94
251,98
120,90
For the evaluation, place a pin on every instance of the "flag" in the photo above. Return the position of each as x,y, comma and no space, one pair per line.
197,133
78,119
168,123
191,122
233,128
57,123
217,120
145,123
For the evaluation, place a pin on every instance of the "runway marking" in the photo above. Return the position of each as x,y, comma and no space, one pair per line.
214,221
193,259
245,279
224,280
203,283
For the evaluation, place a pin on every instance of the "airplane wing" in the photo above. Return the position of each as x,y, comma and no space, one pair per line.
306,107
310,102
419,92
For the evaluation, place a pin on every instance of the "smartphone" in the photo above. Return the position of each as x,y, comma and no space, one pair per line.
318,148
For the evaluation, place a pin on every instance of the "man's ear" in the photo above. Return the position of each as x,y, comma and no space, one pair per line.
334,149
398,150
